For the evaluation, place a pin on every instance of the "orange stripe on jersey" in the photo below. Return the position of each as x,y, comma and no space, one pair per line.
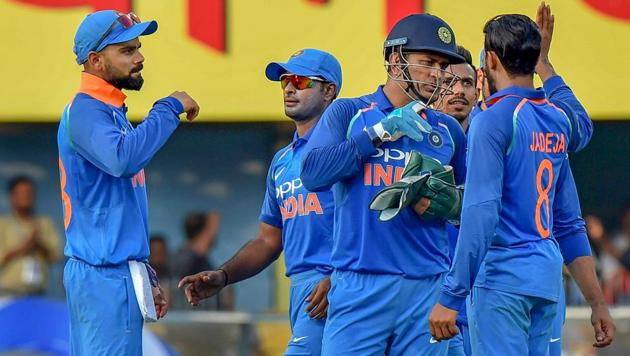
67,204
372,106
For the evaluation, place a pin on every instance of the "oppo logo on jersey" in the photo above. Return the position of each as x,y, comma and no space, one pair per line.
392,154
288,188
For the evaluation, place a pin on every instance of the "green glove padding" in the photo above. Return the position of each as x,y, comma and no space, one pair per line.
445,196
406,191
392,199
423,176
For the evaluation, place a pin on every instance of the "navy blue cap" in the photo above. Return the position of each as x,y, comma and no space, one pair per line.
94,26
308,62
424,32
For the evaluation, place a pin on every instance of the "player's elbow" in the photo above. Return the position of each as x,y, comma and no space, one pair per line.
311,177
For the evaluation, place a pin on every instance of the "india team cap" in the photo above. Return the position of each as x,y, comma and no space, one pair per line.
308,62
107,28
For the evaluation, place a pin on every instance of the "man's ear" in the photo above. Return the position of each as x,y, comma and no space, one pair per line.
95,61
331,91
394,64
492,60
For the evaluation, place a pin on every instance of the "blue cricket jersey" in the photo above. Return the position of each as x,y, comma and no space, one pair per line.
520,209
341,155
306,218
101,161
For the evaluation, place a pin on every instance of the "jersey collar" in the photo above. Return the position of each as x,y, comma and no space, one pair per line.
381,100
101,90
529,93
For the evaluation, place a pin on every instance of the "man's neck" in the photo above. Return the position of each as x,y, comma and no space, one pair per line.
464,123
395,94
302,127
523,81
23,214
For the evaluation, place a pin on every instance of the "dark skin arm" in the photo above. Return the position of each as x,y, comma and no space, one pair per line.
583,271
255,256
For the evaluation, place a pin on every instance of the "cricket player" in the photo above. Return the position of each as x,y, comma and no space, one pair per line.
459,102
101,163
292,219
561,95
386,274
521,214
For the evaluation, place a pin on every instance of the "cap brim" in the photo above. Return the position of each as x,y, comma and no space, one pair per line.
135,31
274,70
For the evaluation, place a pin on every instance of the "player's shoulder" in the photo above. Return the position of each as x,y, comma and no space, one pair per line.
500,111
450,122
348,106
83,102
445,118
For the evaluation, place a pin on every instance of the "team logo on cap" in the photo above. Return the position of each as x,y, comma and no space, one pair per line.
445,35
435,139
297,53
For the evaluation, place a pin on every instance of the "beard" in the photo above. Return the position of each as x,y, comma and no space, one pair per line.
122,81
492,87
129,83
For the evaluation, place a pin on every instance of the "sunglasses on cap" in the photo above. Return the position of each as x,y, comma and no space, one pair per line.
126,20
299,82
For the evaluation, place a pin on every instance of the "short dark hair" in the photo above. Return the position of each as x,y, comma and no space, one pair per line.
17,180
157,238
462,51
515,40
194,223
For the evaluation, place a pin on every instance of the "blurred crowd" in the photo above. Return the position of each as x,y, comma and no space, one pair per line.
30,245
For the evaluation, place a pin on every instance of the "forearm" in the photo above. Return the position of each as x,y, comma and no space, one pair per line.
545,70
324,166
475,236
250,260
101,141
583,271
561,95
144,142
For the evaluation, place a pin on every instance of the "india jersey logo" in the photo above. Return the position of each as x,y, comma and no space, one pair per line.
445,35
435,140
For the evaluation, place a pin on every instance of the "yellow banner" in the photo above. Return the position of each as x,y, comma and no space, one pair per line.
217,50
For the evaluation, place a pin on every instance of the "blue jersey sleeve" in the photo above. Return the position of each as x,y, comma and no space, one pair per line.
568,226
458,162
488,139
560,95
95,135
329,155
270,211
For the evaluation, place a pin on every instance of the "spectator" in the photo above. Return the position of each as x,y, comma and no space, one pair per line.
158,258
614,256
29,243
201,230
